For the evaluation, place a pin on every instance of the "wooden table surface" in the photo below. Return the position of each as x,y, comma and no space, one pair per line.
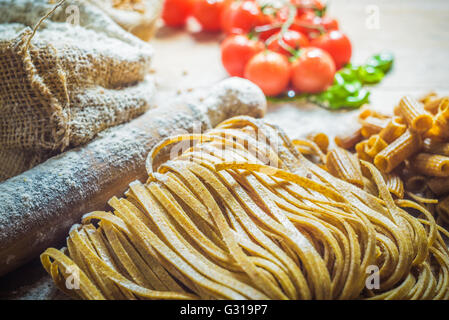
416,31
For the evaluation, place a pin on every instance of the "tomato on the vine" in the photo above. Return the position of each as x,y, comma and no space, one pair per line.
176,12
241,17
329,23
291,38
270,71
236,50
313,71
208,13
304,6
337,45
308,24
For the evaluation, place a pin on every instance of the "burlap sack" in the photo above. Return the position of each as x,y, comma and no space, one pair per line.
67,84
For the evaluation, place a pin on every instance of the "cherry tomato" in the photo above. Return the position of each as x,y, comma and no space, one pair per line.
270,71
241,17
313,71
208,13
329,23
292,38
176,12
308,24
337,45
236,50
308,6
272,23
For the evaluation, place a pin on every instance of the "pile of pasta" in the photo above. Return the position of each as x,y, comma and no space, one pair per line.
240,213
410,148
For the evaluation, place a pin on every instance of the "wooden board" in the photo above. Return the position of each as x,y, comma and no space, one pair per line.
414,30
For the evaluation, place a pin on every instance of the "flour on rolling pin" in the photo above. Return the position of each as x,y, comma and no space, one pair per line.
39,206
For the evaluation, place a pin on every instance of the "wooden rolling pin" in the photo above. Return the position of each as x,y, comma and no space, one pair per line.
38,207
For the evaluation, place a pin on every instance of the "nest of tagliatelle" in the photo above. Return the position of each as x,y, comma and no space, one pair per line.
239,213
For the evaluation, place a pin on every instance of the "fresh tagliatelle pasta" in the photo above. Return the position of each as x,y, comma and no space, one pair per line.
239,213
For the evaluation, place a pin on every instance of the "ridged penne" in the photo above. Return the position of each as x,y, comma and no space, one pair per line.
439,186
402,148
436,147
432,165
372,125
415,183
414,114
440,128
368,111
342,164
348,141
360,148
393,130
375,145
431,105
428,97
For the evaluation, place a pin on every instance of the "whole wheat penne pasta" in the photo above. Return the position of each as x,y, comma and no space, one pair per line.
400,149
438,132
414,114
428,97
439,186
360,148
416,183
432,165
368,111
341,164
431,105
348,141
440,128
436,147
394,184
393,130
375,145
321,139
372,125
443,107
365,112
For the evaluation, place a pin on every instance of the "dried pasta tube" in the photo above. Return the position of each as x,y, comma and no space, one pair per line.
393,130
431,164
432,105
360,148
372,125
321,139
443,107
439,186
440,129
348,141
340,163
402,148
429,96
414,114
368,111
416,183
375,145
436,147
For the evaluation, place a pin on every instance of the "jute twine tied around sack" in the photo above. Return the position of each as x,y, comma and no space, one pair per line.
54,97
